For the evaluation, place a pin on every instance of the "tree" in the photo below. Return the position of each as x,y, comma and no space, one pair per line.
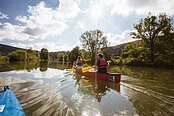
43,66
63,55
31,55
150,30
75,52
18,55
3,59
92,41
106,54
135,53
44,54
166,40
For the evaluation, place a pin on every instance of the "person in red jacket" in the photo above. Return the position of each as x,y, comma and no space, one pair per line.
102,64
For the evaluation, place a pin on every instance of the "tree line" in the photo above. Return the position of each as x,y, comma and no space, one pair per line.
26,55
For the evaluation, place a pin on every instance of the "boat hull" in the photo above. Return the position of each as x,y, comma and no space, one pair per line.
111,77
10,104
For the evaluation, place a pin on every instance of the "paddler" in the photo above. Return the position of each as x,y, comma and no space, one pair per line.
101,64
79,62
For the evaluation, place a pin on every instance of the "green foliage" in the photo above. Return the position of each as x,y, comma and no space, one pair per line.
87,61
22,55
18,65
32,55
93,40
43,66
23,65
75,52
63,56
3,59
106,54
157,35
44,54
85,56
60,56
135,53
18,55
135,50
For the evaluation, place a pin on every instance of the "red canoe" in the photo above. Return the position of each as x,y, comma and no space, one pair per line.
112,77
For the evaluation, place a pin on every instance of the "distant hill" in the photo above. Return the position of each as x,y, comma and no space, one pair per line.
6,49
112,50
116,50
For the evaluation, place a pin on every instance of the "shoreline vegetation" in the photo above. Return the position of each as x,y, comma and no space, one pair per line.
153,47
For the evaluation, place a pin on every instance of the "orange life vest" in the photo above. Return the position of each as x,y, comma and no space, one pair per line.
103,63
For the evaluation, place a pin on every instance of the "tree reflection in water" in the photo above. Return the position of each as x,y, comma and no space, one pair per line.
43,66
31,65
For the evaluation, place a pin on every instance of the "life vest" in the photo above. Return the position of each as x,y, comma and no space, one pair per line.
103,63
80,62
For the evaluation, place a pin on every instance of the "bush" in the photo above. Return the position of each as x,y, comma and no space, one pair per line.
116,61
87,61
3,59
32,55
18,55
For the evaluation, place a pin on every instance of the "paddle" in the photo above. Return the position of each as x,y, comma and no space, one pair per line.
72,69
86,69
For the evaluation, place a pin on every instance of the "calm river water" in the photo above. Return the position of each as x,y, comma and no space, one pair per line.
51,89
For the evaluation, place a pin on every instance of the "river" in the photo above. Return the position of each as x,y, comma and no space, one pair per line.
52,89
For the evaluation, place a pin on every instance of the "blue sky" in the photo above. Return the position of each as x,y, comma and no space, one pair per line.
58,24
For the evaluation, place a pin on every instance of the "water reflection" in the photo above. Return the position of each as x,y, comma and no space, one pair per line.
150,90
51,89
31,65
95,88
23,65
43,66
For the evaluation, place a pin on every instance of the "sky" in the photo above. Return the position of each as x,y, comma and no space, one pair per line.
58,24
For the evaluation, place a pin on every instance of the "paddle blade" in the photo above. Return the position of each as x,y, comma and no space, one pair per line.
86,69
72,69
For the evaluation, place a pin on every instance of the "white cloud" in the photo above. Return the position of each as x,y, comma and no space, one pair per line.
3,16
80,24
119,38
45,22
48,45
127,7
140,7
41,21
68,9
10,31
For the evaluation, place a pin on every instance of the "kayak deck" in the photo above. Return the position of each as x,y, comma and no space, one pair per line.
111,77
9,104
